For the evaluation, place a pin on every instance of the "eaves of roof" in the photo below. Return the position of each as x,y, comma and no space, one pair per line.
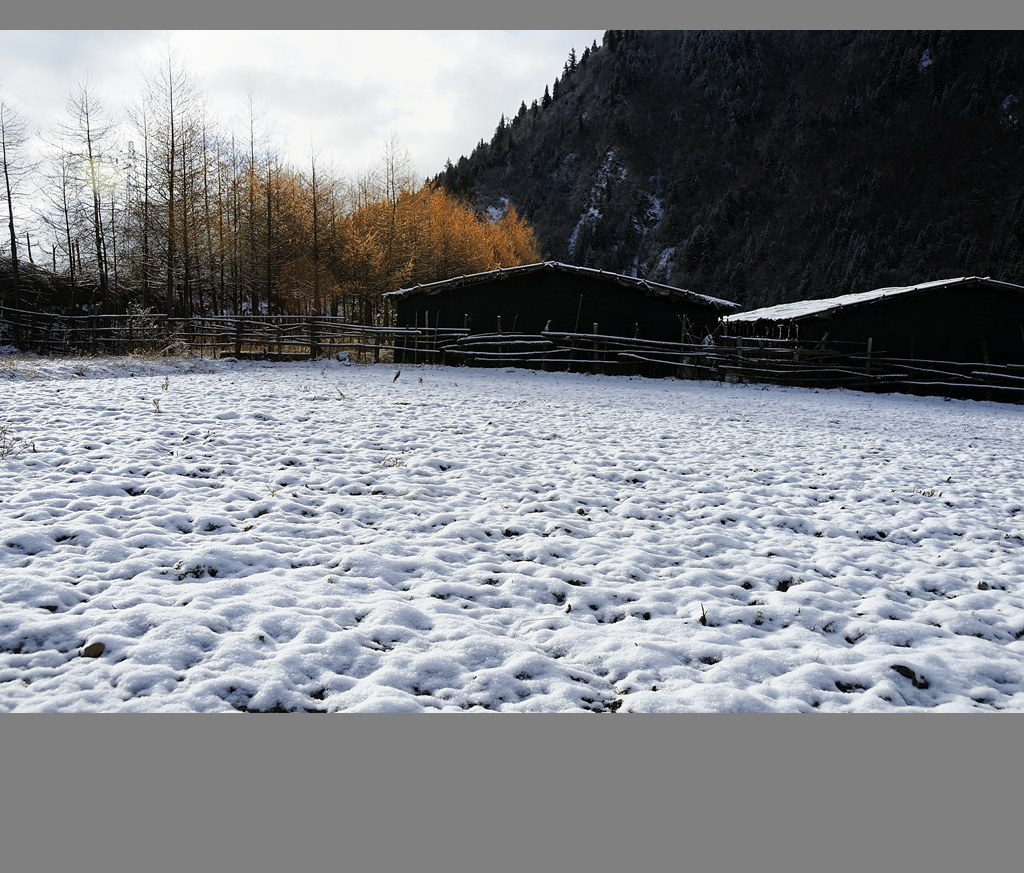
555,266
830,305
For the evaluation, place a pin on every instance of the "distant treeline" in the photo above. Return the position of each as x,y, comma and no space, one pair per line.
161,208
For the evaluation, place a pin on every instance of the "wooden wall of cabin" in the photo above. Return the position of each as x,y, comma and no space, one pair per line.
563,302
968,323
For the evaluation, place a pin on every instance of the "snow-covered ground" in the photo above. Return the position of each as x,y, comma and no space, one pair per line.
194,535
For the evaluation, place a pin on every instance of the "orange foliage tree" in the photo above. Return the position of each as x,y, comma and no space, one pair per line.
424,235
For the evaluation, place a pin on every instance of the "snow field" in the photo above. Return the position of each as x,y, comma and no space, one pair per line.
190,535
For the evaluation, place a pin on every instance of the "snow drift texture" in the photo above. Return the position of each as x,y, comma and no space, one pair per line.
198,536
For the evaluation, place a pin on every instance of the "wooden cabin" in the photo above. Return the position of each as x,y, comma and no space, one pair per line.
970,319
550,296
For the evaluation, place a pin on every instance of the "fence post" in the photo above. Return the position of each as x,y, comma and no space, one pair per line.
867,365
427,344
313,344
238,336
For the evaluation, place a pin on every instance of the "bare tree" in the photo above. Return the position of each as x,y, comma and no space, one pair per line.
269,196
12,139
61,192
252,255
212,254
315,196
88,128
337,195
141,205
396,179
173,106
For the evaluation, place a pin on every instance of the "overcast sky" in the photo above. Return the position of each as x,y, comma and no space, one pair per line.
340,93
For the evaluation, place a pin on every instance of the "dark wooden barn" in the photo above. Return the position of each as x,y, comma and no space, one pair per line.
969,319
550,296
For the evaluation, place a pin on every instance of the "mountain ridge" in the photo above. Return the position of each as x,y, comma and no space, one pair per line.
771,166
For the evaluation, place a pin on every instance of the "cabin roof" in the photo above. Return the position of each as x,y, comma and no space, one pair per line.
554,266
830,305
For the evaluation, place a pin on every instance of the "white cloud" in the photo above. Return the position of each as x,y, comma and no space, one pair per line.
341,93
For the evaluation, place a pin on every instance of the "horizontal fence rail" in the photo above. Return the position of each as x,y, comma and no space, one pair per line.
729,358
273,337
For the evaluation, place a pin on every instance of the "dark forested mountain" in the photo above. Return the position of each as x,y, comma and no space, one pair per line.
771,166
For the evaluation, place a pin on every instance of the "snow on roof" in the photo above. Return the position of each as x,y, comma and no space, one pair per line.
472,278
805,308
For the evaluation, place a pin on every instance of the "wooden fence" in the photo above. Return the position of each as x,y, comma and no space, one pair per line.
275,337
859,366
733,359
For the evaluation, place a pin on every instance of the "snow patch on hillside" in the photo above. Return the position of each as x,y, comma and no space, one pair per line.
610,171
590,217
497,213
665,264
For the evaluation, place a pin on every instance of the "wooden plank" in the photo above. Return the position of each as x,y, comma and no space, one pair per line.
981,374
